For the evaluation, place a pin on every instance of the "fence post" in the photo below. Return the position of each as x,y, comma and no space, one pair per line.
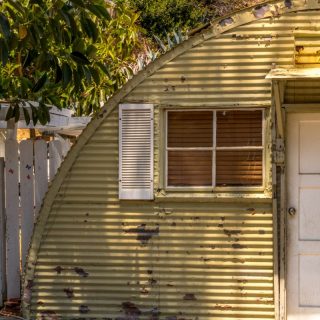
12,220
2,237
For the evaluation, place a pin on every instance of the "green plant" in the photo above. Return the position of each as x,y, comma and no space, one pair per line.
71,54
158,17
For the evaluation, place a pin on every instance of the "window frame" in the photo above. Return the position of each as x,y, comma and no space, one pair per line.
214,148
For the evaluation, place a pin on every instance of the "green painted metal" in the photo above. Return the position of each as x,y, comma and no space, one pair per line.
182,256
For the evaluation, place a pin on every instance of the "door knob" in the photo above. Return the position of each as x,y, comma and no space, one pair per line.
292,211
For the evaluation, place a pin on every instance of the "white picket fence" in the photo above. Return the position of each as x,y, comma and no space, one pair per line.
29,166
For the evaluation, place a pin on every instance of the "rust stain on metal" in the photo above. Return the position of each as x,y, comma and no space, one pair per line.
58,269
149,271
153,282
81,272
262,232
226,22
252,211
130,309
189,297
299,48
238,246
261,10
144,291
222,307
183,79
143,234
237,260
84,309
229,233
68,292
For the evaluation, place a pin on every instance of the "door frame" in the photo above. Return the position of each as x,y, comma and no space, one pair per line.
280,212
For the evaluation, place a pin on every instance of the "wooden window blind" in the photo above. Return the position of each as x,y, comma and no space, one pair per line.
214,148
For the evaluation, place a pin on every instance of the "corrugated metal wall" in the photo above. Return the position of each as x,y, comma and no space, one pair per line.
101,258
230,70
108,259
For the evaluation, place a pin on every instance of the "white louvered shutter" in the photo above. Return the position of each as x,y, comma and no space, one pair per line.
136,151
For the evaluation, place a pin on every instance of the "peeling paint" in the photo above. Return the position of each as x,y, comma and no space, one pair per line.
130,309
226,22
143,234
81,272
84,309
69,293
189,297
261,10
299,48
229,233
58,269
238,246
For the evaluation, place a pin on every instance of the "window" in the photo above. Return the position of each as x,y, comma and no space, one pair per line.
214,148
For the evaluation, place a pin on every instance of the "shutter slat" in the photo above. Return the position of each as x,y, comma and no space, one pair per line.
136,151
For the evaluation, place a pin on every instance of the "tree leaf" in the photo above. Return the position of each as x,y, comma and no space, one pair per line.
104,69
31,55
66,74
4,52
78,3
95,75
34,112
79,58
58,74
23,32
4,26
40,83
9,114
99,11
26,115
16,112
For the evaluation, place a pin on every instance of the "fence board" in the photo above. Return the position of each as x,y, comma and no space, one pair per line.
55,157
41,172
2,236
12,220
26,196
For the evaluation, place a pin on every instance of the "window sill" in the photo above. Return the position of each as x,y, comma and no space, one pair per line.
202,196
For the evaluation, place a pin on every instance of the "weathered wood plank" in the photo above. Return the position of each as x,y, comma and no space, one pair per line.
27,196
12,220
41,172
2,234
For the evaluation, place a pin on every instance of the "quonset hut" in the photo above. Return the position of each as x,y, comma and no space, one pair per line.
176,200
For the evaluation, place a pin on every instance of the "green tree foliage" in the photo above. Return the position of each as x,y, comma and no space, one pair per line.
72,54
159,17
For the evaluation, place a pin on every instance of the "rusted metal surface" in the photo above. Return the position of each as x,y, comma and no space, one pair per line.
93,256
100,257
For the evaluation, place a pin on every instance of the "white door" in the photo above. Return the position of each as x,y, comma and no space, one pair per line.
303,174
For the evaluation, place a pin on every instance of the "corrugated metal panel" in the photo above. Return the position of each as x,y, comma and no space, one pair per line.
302,91
103,258
229,70
100,258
